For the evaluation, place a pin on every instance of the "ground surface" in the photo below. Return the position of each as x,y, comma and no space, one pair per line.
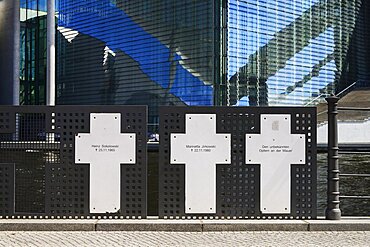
213,239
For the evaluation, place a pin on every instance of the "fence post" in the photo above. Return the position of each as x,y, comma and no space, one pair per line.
333,211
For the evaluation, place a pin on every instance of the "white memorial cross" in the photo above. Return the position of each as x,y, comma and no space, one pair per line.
105,148
200,149
275,149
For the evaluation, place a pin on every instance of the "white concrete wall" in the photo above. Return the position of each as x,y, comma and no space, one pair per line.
349,132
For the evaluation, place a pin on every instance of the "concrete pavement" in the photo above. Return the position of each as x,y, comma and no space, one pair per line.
213,239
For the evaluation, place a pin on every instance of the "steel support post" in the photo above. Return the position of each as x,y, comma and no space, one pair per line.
333,211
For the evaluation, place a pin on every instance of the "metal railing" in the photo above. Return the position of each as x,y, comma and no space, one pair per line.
333,211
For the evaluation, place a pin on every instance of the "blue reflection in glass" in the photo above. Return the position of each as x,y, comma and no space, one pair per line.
40,5
303,62
104,21
252,24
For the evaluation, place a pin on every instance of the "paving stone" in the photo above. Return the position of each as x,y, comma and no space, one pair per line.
212,239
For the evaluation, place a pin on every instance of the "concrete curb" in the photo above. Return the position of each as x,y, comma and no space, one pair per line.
353,224
150,225
47,225
341,225
255,225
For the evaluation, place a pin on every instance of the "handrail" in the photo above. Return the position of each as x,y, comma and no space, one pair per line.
353,109
326,94
346,89
355,197
318,114
323,94
354,175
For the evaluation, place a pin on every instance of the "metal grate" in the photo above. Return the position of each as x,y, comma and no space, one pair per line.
37,150
7,122
6,189
67,184
238,184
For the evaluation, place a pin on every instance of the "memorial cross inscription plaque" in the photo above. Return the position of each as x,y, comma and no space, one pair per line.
200,149
275,149
105,149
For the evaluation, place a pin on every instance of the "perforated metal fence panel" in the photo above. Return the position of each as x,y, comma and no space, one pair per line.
238,184
38,174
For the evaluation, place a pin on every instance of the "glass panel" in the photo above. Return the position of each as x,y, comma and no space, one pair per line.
288,52
33,52
136,52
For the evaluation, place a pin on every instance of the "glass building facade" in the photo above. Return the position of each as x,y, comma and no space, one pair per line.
202,52
136,52
32,52
290,52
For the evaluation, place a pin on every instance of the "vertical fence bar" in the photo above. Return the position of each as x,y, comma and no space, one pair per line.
333,211
50,68
50,60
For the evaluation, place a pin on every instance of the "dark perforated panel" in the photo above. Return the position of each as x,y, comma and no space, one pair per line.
47,181
304,177
67,184
238,184
134,186
27,156
6,189
6,122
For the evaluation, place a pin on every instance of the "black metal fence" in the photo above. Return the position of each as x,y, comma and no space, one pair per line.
38,174
40,179
238,184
